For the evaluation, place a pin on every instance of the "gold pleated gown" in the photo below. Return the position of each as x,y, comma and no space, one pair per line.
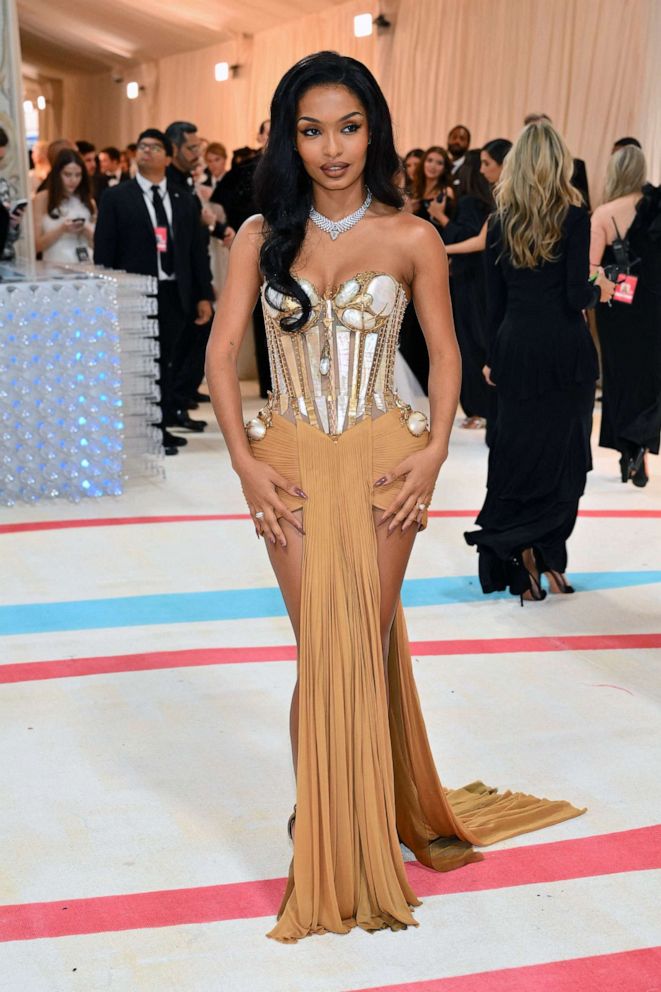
366,778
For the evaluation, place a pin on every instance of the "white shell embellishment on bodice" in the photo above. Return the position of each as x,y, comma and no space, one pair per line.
417,423
256,429
347,293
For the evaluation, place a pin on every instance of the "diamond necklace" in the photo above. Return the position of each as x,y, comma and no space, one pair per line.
337,227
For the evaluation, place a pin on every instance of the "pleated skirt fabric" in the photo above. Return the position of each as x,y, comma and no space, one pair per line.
366,777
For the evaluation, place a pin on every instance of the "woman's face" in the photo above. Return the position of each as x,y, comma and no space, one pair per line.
411,165
71,175
434,165
489,168
332,136
216,164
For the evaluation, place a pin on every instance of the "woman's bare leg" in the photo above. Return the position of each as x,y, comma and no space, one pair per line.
288,566
393,553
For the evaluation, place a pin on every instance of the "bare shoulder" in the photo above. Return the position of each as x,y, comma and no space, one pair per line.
600,213
419,239
249,237
252,228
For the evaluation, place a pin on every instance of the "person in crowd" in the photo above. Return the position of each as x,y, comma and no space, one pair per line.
411,161
340,516
40,166
54,149
492,156
216,163
263,134
579,175
11,209
629,221
235,194
459,139
432,181
87,152
215,160
131,149
543,363
191,347
125,162
110,171
467,286
151,226
64,212
623,142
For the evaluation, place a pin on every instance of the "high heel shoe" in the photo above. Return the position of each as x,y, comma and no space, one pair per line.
557,582
637,472
290,825
534,593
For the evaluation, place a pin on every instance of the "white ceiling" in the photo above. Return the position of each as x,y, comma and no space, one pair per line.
94,35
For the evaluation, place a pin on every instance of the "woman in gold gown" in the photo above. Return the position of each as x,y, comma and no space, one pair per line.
338,474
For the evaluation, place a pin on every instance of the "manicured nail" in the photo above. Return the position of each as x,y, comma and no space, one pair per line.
379,482
272,540
299,492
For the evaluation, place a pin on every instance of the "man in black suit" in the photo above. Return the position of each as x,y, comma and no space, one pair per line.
110,171
459,139
148,226
190,356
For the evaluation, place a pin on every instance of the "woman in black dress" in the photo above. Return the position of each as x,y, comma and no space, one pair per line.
542,362
630,333
467,288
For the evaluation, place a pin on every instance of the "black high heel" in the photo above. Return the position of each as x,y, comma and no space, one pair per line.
537,594
557,578
637,472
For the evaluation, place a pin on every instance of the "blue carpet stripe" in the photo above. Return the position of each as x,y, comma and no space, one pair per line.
246,604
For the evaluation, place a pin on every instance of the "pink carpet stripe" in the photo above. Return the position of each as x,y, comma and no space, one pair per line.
605,854
628,971
37,525
29,671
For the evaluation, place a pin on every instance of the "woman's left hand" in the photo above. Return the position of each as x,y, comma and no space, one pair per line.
419,471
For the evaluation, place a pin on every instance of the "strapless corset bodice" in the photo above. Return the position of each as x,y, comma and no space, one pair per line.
339,367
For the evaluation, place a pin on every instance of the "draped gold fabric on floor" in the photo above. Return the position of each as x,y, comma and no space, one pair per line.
365,775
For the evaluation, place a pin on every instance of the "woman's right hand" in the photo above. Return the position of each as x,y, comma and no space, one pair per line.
260,484
73,226
606,287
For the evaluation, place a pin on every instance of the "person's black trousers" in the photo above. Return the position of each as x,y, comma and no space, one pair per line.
189,361
171,327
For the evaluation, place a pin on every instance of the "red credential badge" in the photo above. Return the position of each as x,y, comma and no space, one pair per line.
161,239
625,289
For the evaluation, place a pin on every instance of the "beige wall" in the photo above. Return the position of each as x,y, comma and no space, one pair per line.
593,65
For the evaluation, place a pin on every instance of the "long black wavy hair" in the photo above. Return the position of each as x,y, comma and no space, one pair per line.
283,189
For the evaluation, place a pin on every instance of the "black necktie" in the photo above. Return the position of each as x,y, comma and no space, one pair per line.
167,257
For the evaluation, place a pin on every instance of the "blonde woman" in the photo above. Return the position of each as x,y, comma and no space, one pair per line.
629,332
543,364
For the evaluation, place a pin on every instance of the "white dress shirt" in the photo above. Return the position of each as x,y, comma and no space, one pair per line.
146,185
